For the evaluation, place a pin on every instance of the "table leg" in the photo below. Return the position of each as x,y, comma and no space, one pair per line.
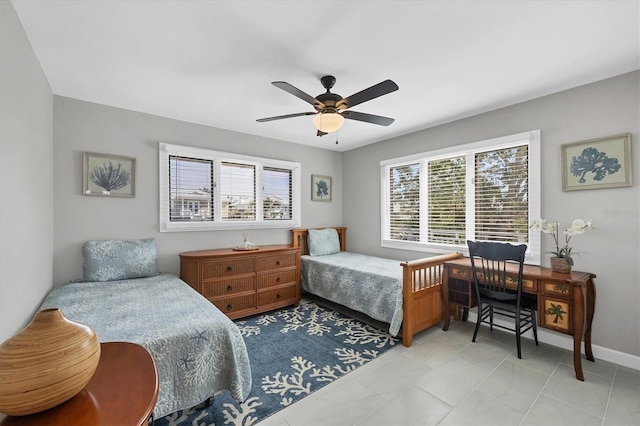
445,298
465,314
591,304
578,329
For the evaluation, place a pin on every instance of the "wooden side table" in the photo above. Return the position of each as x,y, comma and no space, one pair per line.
122,391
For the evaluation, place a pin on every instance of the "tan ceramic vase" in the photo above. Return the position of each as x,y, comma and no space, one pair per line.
46,363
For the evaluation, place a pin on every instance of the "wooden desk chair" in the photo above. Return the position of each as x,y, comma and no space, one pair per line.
498,293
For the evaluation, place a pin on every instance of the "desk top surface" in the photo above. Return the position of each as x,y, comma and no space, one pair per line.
535,271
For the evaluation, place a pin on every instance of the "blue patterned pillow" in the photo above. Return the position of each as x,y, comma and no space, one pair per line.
323,241
112,260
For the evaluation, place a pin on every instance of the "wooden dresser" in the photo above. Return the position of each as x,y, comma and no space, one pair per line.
243,283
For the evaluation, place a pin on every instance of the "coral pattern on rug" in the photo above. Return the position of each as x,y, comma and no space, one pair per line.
293,352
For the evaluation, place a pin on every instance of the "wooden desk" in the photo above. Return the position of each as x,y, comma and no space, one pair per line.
566,302
122,391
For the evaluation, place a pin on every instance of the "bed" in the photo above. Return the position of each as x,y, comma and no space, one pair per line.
406,294
198,351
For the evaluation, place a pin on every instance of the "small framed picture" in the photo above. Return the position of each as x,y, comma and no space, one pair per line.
597,163
108,175
320,188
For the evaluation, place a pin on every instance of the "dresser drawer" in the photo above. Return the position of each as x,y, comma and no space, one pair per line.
228,267
277,278
228,287
277,295
277,261
229,305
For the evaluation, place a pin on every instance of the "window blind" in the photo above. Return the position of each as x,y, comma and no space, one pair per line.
190,189
446,223
277,189
238,191
404,202
502,194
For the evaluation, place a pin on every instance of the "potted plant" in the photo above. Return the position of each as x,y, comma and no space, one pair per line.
562,259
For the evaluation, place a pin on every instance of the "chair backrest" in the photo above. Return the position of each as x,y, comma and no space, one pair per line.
490,263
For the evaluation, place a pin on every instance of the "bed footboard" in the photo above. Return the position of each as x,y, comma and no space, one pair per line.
422,294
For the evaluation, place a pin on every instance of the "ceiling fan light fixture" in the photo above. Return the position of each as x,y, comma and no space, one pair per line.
328,122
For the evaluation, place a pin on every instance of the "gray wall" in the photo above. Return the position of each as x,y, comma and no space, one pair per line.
601,109
83,126
26,177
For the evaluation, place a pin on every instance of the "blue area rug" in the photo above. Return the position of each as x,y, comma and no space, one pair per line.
293,352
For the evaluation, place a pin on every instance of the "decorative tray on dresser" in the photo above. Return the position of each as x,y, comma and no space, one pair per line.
245,282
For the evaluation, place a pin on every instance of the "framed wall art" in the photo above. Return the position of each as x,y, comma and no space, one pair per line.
320,188
108,175
597,163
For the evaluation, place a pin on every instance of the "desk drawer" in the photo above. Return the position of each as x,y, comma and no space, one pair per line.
557,289
528,286
555,314
460,273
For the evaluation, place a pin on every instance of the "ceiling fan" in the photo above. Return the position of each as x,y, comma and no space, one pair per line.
331,109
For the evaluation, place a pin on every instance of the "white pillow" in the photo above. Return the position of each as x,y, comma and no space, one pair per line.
323,241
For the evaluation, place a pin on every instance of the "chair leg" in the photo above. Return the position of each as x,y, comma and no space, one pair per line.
491,317
535,326
518,345
478,321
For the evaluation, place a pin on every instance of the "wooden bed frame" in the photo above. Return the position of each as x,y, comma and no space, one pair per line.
421,286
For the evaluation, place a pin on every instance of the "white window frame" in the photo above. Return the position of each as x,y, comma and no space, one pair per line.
166,150
532,138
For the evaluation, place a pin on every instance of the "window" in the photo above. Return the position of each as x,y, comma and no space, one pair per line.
202,190
486,190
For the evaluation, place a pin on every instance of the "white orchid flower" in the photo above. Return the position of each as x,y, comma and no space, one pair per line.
578,226
543,225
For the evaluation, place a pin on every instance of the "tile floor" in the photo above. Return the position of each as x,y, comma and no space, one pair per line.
445,379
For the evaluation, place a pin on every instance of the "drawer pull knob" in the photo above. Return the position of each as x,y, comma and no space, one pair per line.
278,296
229,269
229,288
277,263
229,307
277,279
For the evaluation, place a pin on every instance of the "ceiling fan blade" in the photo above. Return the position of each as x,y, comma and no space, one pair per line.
298,93
280,117
367,118
372,92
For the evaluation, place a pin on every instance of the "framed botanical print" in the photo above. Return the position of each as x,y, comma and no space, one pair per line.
597,163
320,188
108,175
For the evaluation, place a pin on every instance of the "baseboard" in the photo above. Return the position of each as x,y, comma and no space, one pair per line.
565,342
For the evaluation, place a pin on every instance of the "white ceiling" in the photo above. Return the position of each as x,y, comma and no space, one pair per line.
212,62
